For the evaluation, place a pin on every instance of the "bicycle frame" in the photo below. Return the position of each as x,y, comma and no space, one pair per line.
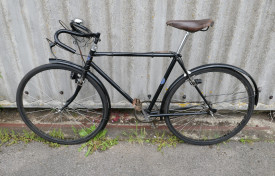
128,97
176,58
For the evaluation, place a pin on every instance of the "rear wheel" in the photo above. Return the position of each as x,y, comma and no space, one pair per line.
226,91
45,90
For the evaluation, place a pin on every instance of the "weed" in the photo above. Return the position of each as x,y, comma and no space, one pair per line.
10,137
99,142
272,141
248,141
86,131
161,141
136,136
57,134
4,136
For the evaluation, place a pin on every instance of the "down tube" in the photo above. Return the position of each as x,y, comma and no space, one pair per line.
163,81
112,83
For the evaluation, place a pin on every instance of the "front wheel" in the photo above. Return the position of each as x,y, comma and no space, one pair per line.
41,98
226,91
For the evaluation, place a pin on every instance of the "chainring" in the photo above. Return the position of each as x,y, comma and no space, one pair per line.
140,112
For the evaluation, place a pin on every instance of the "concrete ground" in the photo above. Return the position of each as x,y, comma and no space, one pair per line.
232,158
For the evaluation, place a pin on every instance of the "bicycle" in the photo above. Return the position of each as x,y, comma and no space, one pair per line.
66,103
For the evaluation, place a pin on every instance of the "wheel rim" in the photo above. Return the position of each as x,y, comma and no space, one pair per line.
233,103
45,94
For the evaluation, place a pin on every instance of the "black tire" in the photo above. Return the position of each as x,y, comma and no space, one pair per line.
43,92
226,90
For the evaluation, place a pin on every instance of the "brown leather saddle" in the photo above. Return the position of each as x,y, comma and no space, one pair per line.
191,25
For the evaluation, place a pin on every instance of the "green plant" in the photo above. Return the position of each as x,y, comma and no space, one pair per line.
99,142
162,141
11,137
4,136
86,131
249,141
57,133
136,135
272,141
140,136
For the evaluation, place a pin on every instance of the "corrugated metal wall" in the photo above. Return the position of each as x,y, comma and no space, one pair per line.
243,35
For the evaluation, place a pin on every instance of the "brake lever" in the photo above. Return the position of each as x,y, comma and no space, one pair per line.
52,44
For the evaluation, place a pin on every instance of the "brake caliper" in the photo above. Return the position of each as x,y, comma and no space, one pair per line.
75,76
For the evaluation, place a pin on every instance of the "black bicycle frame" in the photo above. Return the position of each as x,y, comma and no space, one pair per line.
176,57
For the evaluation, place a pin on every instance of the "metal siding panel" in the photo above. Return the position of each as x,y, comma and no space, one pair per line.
243,35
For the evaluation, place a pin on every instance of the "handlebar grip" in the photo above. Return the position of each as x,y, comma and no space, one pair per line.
76,28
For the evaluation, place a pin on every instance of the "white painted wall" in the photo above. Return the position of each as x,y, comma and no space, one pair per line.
243,35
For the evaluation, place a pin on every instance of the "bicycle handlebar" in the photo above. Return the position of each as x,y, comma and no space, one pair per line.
76,26
77,32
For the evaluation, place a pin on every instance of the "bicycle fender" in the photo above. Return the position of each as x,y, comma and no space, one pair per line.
219,65
232,67
90,74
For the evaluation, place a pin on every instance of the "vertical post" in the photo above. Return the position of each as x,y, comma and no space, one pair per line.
183,42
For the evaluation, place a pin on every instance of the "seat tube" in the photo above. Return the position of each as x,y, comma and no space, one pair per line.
163,81
183,42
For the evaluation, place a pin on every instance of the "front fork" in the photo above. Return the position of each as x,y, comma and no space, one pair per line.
84,73
79,82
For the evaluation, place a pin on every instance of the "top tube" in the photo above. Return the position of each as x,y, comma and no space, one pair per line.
132,54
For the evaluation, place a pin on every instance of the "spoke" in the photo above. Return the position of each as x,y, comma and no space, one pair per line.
74,119
84,98
90,111
53,78
44,92
52,124
180,118
45,115
191,126
47,102
215,126
86,108
200,128
225,94
39,100
227,116
231,100
74,110
29,112
240,112
190,120
61,122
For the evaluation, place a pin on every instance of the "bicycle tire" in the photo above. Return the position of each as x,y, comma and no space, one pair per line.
233,100
44,91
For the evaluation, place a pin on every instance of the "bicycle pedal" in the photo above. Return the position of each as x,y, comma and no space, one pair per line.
137,104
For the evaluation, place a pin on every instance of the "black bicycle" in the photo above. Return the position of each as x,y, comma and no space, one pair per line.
66,103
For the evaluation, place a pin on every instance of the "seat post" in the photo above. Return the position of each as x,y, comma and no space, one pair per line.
183,42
